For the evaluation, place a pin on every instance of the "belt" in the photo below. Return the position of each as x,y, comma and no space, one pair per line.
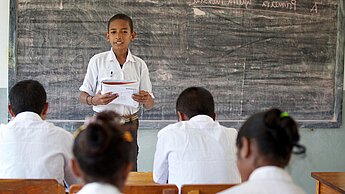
129,118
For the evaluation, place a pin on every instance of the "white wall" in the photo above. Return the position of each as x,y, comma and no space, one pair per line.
4,34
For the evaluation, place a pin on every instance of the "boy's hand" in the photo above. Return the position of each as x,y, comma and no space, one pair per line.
103,99
142,97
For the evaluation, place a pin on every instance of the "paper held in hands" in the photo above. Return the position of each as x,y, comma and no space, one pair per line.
124,88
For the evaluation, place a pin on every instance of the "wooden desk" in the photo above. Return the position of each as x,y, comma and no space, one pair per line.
329,182
30,186
140,178
135,181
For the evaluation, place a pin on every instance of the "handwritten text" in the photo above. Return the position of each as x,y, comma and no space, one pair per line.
291,5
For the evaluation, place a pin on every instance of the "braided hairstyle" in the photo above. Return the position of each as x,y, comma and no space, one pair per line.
102,149
275,133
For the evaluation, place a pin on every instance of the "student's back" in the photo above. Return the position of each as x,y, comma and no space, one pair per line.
197,149
29,146
200,151
33,148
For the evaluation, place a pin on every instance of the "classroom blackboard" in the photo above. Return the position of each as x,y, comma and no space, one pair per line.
251,54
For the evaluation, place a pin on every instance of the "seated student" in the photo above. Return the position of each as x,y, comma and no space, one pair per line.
265,143
102,155
29,146
197,149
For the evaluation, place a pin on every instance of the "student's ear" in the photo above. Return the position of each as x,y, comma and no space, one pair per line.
44,111
75,168
106,35
245,149
181,116
134,34
11,111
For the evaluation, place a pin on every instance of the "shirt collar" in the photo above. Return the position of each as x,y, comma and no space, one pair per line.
98,186
270,172
201,118
112,57
27,116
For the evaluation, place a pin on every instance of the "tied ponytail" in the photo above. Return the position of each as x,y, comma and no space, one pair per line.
284,131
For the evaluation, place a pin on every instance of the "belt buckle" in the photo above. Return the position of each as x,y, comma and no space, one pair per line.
128,118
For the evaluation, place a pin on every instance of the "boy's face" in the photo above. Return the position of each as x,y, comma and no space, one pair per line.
119,35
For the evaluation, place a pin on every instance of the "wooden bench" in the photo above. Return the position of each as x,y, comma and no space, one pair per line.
138,189
204,188
136,183
140,178
30,186
151,188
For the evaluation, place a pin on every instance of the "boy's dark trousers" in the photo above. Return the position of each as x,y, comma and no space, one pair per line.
132,127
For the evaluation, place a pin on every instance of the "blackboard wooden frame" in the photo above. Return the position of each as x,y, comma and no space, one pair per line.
149,120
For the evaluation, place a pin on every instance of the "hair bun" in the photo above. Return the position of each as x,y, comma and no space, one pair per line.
97,138
272,118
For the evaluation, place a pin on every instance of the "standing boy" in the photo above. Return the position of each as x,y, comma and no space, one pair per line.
197,149
119,64
29,146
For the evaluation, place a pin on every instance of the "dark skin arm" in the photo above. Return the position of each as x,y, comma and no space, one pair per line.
142,97
98,99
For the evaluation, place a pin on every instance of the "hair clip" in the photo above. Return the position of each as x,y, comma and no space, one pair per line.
284,114
127,136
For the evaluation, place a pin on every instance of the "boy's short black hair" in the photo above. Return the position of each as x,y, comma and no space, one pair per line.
27,95
195,101
122,16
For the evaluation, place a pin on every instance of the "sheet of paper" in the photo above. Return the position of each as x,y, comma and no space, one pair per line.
124,88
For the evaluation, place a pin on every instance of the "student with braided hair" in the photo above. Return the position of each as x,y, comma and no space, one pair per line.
102,154
265,143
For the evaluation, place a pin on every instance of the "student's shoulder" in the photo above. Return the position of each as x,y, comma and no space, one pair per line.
238,189
102,55
171,129
59,131
138,60
2,126
229,130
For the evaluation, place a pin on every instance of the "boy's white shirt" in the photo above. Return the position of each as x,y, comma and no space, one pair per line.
104,65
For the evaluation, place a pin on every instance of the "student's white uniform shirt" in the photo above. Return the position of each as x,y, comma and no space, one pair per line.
99,188
105,66
196,151
267,180
33,148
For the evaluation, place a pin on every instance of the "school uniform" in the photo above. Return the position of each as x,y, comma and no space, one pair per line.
197,151
102,188
267,180
104,66
33,148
